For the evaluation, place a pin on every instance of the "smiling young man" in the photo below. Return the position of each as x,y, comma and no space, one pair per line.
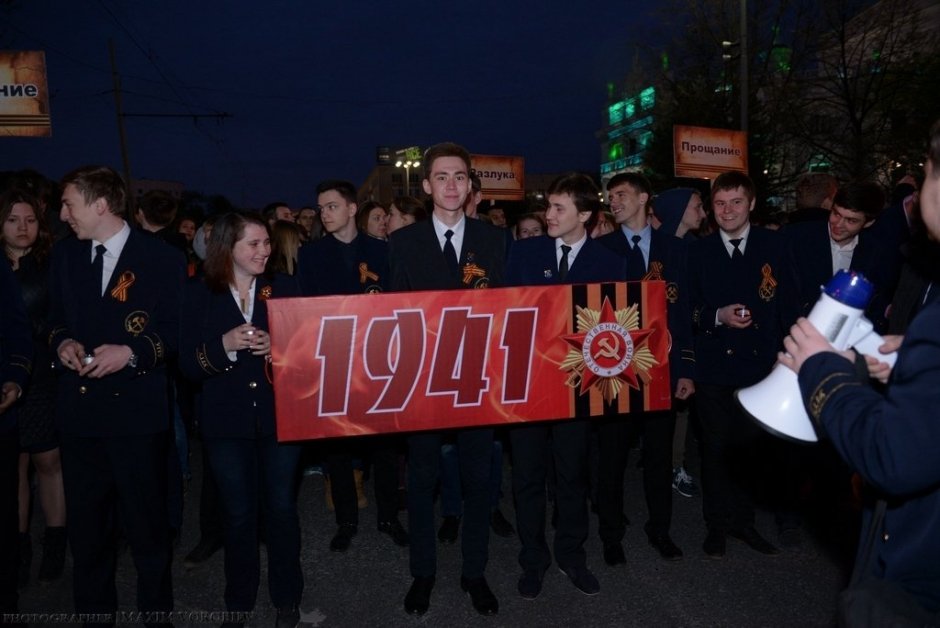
743,296
115,301
345,261
448,252
565,256
651,254
845,243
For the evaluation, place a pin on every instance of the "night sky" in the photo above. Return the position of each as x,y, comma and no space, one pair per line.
314,87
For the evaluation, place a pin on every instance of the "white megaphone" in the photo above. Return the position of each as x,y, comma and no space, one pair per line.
775,402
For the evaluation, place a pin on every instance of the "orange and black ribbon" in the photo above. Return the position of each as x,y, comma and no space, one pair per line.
125,281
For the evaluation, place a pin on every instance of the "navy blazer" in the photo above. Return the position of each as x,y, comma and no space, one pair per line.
16,340
237,397
417,261
763,281
533,262
811,251
145,317
892,442
328,266
668,261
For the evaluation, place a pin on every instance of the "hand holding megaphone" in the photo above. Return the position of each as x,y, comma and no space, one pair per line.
835,323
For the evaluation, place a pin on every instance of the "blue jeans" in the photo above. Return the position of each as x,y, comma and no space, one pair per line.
252,473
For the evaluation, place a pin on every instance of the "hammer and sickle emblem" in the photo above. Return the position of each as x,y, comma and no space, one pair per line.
136,322
607,351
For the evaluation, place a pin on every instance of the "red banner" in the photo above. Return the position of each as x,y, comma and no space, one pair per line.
397,362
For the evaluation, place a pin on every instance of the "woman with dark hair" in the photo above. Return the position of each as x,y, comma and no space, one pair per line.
404,211
372,220
26,243
226,345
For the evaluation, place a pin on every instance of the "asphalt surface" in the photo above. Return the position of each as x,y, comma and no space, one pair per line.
366,585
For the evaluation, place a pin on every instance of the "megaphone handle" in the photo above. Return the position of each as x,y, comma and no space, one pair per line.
868,345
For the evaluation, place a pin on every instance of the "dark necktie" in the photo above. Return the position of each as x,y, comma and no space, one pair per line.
563,264
636,266
736,254
450,255
97,266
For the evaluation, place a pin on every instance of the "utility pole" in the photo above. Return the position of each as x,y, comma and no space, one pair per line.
123,137
744,68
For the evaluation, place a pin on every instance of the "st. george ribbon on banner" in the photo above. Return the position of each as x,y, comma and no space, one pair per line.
402,362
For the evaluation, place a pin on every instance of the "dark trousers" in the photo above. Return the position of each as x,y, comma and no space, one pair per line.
9,524
567,443
210,508
614,437
474,451
451,499
107,477
383,451
249,472
730,458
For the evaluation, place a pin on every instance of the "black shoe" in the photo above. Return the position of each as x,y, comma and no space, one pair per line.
664,545
530,584
483,599
500,525
395,530
790,537
613,554
449,529
343,538
418,598
582,579
714,545
287,617
202,552
53,554
754,540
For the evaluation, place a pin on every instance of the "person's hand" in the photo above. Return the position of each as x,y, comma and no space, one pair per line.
261,343
107,359
71,353
9,392
241,337
882,370
685,387
804,342
735,315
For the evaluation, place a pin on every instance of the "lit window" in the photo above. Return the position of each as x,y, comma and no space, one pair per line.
615,113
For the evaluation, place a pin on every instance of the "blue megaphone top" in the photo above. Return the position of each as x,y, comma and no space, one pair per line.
850,288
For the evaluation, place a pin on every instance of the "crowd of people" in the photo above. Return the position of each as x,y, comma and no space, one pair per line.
138,331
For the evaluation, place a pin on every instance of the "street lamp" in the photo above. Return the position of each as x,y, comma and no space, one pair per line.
407,165
408,158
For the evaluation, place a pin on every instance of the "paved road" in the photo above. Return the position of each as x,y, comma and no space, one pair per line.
366,586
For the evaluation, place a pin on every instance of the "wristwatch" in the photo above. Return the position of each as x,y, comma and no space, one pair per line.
132,362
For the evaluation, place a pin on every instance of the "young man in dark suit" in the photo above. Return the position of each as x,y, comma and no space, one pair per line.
345,261
448,252
743,297
115,317
565,256
845,242
651,255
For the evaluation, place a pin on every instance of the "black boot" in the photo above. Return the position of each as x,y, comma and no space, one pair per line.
26,559
53,554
